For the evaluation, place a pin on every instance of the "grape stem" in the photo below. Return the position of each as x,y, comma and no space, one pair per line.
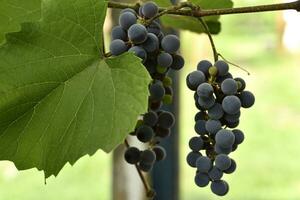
295,5
213,46
149,192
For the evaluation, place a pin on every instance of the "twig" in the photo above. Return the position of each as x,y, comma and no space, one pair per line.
234,64
149,191
213,46
223,11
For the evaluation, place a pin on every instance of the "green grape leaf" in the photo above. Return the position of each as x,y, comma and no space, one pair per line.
14,12
60,99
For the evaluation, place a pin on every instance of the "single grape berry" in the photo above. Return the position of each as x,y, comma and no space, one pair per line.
150,118
222,67
148,157
127,19
231,104
204,66
247,99
222,162
162,132
225,138
170,43
157,91
206,103
232,167
118,33
117,47
241,83
201,179
205,90
219,188
192,158
200,116
164,59
213,126
232,118
145,133
229,86
203,164
137,34
132,155
239,136
200,127
194,79
160,153
139,52
215,174
222,150
178,62
196,143
149,9
151,44
145,167
166,120
215,112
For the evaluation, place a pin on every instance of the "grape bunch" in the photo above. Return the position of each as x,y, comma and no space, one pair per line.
139,34
219,98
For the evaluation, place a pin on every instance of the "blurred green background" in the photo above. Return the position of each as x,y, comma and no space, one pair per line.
268,165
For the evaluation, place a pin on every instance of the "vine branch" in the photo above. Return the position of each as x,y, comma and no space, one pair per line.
210,12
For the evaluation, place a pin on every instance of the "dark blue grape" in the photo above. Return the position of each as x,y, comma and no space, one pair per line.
205,90
117,47
127,19
166,119
215,174
241,83
203,164
232,118
145,167
221,150
200,116
247,99
145,133
225,138
164,59
206,103
231,104
149,9
160,153
200,127
196,143
118,33
222,67
154,28
137,34
150,118
204,66
222,162
170,43
162,132
239,136
157,91
139,52
132,155
233,124
220,79
178,62
232,167
192,158
219,188
148,157
201,179
216,111
213,126
151,44
194,79
229,86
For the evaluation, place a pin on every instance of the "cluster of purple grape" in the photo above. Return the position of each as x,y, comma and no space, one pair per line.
219,98
139,34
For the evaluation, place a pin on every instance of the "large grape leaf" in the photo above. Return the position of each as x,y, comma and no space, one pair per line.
14,12
192,24
60,98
